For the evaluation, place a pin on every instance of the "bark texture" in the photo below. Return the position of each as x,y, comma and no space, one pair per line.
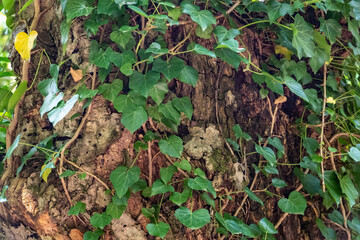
223,97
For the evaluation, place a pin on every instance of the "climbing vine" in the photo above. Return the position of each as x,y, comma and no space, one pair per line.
316,58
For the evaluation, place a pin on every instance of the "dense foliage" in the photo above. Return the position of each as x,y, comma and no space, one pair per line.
316,56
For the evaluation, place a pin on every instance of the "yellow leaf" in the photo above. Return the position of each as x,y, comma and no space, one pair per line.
331,100
284,51
24,43
77,75
45,173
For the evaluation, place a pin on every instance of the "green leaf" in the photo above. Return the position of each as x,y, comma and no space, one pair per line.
12,148
138,10
143,83
223,34
332,184
295,87
67,173
155,48
268,153
106,7
79,207
180,198
228,56
295,204
253,196
277,9
170,112
318,60
183,105
167,173
170,69
310,182
278,183
101,58
50,101
331,28
133,119
203,17
93,235
58,113
201,184
158,91
100,220
328,233
2,196
355,5
311,145
240,134
354,153
158,230
267,227
8,4
184,165
349,189
303,37
172,146
159,187
120,37
204,51
17,95
122,178
336,217
189,75
115,211
192,220
129,102
77,8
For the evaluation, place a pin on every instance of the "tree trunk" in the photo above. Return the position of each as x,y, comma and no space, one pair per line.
222,97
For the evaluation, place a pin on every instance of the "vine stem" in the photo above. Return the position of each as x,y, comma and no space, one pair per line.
322,130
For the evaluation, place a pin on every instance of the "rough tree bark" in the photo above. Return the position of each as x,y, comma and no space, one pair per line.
222,98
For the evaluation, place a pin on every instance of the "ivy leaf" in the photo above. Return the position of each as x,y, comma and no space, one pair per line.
158,91
355,4
277,9
77,8
253,196
57,114
204,51
295,204
268,153
310,182
159,187
138,11
143,83
223,34
129,102
201,184
348,188
24,43
180,198
172,146
327,232
320,57
239,133
171,69
115,211
84,92
278,183
228,56
354,153
183,105
170,112
192,220
167,173
331,28
106,7
158,230
50,101
189,75
295,87
332,184
120,37
16,96
267,227
67,173
133,119
79,207
184,165
93,235
122,178
102,58
12,148
303,37
155,48
100,220
203,17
